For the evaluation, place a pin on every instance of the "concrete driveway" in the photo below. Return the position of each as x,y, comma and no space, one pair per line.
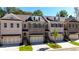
41,47
16,48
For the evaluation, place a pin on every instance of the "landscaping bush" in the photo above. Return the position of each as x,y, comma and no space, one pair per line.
25,48
53,45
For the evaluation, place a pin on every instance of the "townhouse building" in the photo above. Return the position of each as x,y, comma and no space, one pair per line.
72,28
10,30
56,24
33,29
25,29
28,29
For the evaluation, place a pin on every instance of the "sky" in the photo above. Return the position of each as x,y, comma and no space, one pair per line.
50,11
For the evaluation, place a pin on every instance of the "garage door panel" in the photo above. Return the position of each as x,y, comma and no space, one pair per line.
11,40
36,39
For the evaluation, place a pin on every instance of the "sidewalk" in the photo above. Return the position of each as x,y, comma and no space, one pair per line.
77,41
66,45
42,47
9,48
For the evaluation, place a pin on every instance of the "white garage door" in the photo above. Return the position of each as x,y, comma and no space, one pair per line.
73,36
36,39
11,39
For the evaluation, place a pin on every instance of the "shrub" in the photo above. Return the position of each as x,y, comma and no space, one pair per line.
53,45
25,48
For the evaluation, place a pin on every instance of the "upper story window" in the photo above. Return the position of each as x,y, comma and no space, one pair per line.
18,25
60,25
11,25
54,25
70,26
24,25
39,25
76,25
35,25
73,25
5,25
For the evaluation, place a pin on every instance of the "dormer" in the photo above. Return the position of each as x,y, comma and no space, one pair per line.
35,18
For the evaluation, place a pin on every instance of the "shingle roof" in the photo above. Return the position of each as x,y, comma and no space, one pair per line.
30,17
23,17
12,16
73,19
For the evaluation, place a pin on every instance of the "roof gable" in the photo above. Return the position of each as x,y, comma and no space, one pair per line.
11,17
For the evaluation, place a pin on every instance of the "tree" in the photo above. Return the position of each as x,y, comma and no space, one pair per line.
10,9
70,16
55,34
15,10
22,12
37,13
62,13
2,12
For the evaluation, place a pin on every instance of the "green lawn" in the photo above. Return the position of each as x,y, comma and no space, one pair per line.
53,45
75,43
25,48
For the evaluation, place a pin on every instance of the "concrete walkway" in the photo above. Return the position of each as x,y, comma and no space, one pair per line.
66,45
77,41
67,49
40,47
9,48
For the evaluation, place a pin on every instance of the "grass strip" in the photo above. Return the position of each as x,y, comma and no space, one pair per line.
25,48
53,45
74,43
